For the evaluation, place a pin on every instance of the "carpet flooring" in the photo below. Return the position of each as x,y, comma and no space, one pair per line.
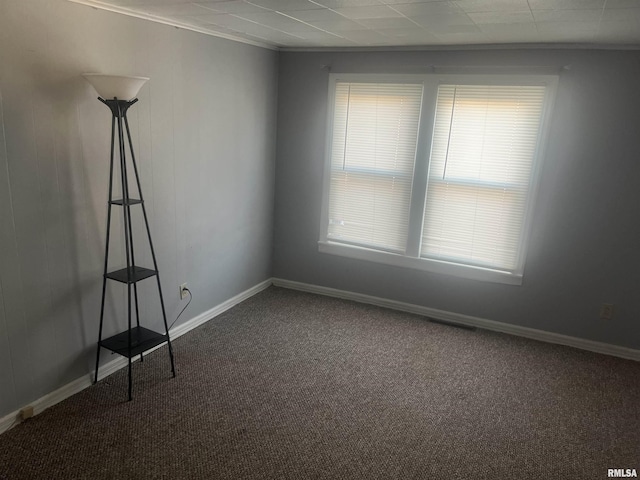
290,385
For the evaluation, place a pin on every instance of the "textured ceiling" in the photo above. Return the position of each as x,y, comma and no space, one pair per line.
397,23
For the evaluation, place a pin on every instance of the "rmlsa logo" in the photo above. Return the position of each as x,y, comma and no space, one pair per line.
622,472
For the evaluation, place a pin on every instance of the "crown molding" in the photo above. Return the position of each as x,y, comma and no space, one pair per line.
482,46
165,21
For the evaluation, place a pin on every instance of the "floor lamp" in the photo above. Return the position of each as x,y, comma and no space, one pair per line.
119,94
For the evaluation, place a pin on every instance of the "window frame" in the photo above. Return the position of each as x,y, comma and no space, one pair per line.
411,256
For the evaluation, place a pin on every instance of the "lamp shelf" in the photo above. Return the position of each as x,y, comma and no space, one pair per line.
142,339
125,202
131,274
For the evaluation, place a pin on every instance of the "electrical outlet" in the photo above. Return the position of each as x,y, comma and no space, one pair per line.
26,412
606,311
183,291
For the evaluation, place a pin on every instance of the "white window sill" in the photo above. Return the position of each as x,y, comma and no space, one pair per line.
435,266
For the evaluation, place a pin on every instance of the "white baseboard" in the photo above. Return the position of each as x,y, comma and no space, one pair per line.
549,337
113,366
218,309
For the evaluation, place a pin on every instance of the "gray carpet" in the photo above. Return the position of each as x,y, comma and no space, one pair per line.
289,385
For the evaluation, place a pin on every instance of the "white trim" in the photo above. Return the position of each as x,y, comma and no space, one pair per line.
328,148
113,366
479,46
532,333
48,400
418,263
152,18
218,309
85,381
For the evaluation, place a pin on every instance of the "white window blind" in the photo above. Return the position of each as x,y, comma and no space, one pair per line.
375,130
482,153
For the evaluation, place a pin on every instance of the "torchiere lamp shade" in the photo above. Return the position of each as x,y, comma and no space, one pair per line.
115,86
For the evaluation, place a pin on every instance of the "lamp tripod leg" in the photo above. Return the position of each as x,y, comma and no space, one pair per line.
106,255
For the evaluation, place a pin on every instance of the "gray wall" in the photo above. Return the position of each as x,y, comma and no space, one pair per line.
204,131
585,245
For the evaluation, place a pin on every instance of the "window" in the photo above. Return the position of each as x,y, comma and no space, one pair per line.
434,172
375,131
